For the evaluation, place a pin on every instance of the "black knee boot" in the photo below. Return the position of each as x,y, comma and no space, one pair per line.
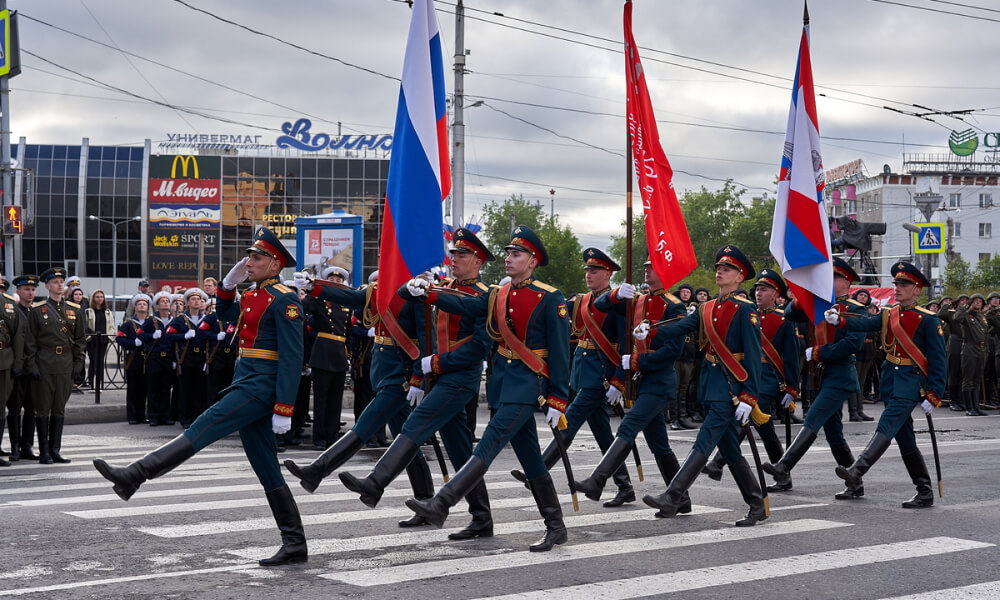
610,462
482,517
13,433
293,538
669,467
550,456
435,509
844,458
782,470
861,408
853,400
974,400
42,425
332,458
853,473
750,489
56,423
419,474
392,463
158,462
671,501
544,492
625,491
917,469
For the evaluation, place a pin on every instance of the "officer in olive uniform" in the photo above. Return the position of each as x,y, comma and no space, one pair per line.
728,387
258,404
328,359
22,429
831,354
975,330
530,322
54,352
11,360
954,346
913,373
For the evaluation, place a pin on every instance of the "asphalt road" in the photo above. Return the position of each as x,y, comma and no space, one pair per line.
197,532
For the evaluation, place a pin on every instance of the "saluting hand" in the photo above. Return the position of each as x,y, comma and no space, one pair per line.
236,275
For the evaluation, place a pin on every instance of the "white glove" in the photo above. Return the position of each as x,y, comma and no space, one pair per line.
691,309
832,316
787,400
552,417
417,287
236,275
425,364
809,354
138,343
204,368
157,334
927,407
371,332
306,372
190,334
301,281
220,336
641,331
280,423
626,361
626,291
743,412
414,396
613,396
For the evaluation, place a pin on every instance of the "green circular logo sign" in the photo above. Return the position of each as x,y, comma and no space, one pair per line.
963,143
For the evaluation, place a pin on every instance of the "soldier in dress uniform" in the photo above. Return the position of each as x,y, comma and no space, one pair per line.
54,352
257,404
729,330
779,372
22,429
11,360
831,354
592,371
914,373
189,344
656,387
328,359
129,340
975,330
396,375
530,322
455,372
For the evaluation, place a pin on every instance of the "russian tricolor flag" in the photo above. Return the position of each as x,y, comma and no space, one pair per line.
419,170
800,236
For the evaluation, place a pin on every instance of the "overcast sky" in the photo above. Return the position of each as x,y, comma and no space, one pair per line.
721,94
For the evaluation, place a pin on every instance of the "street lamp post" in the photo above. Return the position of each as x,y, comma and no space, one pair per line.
114,252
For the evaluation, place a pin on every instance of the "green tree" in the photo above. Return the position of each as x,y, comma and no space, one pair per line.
617,249
751,231
986,274
565,268
957,275
709,217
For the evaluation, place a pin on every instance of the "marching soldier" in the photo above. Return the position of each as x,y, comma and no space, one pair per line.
975,330
592,373
530,322
455,371
189,354
22,429
831,357
779,371
729,386
53,353
11,360
913,373
657,384
129,340
256,405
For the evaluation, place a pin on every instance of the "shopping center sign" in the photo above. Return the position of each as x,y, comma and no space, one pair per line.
298,135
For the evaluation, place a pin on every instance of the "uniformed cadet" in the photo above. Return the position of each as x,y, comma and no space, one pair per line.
11,360
975,331
451,375
656,387
530,322
913,374
396,375
54,352
831,356
779,372
129,340
595,362
160,362
189,344
257,404
221,352
22,428
728,387
328,359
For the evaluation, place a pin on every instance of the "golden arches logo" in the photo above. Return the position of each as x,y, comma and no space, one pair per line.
184,162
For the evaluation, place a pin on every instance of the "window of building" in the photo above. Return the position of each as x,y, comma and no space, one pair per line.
985,200
986,230
954,200
956,230
984,256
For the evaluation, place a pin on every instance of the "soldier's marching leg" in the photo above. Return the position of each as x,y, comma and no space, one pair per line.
544,492
482,517
158,462
435,509
419,474
550,456
917,469
293,537
676,497
396,458
333,457
782,470
612,460
750,489
853,474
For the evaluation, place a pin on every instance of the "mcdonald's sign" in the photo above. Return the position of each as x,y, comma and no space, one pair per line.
185,167
184,162
185,179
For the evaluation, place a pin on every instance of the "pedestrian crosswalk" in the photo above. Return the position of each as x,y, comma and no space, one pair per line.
208,521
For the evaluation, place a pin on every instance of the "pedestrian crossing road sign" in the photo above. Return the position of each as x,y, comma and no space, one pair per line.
4,42
930,240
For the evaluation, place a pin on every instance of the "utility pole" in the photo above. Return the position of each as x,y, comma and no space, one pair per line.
458,128
552,204
8,189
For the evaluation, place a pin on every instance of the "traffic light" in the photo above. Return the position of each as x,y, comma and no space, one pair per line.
12,224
